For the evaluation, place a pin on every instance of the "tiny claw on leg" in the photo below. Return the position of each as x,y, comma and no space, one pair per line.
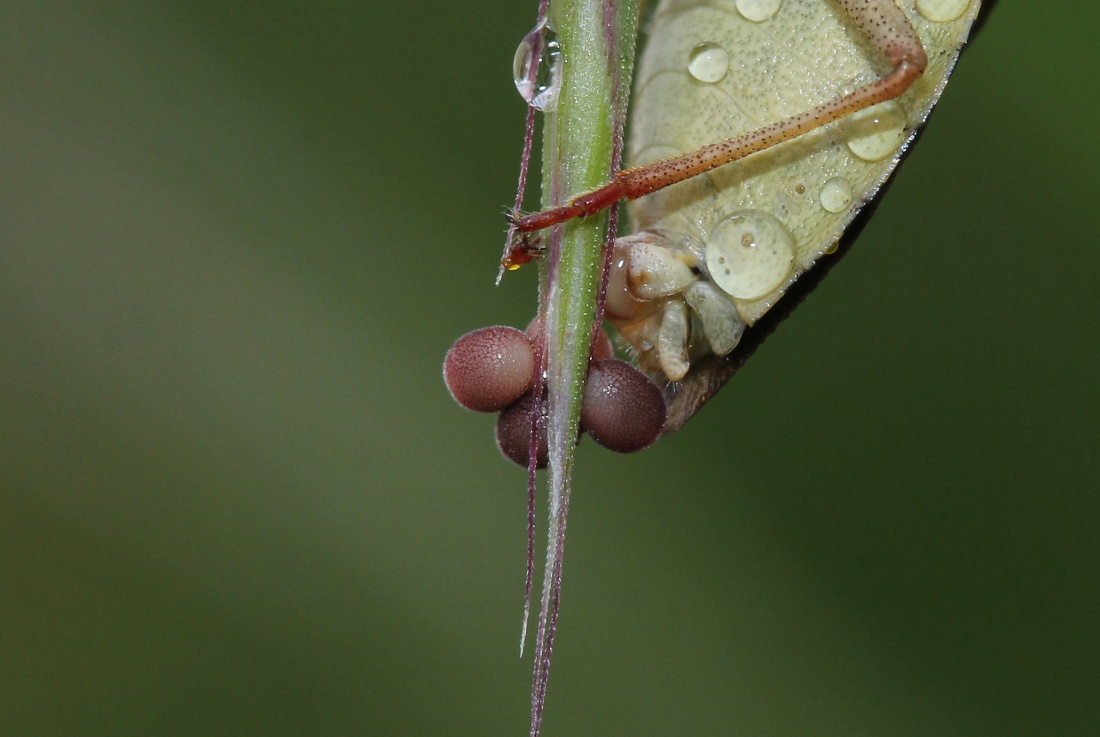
522,252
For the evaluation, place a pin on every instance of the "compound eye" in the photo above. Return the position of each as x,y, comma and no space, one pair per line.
624,410
514,433
488,369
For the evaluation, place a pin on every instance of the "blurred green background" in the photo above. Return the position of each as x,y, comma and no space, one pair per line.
236,240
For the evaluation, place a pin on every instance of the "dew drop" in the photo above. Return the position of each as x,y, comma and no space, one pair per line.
758,10
875,133
942,10
709,63
836,194
542,92
749,254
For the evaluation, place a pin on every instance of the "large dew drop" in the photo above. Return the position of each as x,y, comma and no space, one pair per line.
836,194
942,10
749,254
542,92
875,133
709,63
758,10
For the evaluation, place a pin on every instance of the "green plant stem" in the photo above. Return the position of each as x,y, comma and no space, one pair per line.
581,141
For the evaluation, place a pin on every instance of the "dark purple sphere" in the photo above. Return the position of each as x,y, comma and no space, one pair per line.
490,368
514,433
624,410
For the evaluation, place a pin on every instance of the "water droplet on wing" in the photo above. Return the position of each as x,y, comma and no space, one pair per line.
709,63
942,10
749,254
836,194
875,133
758,10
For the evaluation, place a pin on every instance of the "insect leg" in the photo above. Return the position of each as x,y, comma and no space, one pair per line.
884,24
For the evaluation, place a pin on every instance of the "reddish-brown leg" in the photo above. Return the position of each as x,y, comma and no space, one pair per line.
522,252
884,24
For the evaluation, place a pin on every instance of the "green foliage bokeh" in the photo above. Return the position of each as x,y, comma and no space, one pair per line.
235,498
